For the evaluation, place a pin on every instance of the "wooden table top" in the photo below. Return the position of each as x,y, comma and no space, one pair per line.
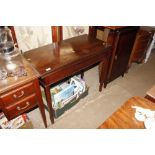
54,56
151,92
13,82
124,118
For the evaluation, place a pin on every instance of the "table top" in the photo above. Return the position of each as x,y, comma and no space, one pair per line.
13,82
151,92
124,118
54,56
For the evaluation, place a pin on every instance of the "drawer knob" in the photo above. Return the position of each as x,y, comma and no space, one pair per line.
22,108
18,96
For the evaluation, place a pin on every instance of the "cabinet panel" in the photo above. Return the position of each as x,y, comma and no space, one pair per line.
122,39
143,39
125,39
141,44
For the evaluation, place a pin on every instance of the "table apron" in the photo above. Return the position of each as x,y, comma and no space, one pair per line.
72,69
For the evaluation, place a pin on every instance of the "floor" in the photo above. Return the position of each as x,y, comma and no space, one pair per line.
92,110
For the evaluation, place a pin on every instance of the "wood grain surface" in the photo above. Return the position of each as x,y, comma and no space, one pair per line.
124,118
13,82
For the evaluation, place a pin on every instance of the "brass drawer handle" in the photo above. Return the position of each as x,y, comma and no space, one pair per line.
22,108
18,96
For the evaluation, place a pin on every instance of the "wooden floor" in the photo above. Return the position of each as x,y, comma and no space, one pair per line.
124,117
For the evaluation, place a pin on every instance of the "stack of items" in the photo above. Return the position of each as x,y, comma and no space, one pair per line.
67,94
22,122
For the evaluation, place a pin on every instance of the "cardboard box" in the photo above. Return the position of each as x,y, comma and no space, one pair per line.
70,95
20,122
59,112
27,125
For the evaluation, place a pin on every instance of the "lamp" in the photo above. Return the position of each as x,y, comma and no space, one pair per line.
10,56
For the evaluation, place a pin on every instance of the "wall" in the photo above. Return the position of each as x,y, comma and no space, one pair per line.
72,31
30,37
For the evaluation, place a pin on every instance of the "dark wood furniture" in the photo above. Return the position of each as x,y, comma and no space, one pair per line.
19,95
56,61
122,39
150,94
142,42
124,117
57,33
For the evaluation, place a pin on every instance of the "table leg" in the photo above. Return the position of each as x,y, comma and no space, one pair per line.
42,111
103,69
40,103
82,74
49,103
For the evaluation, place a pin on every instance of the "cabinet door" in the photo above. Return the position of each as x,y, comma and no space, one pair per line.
125,39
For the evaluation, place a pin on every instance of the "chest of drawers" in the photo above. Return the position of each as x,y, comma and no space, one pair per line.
19,95
18,100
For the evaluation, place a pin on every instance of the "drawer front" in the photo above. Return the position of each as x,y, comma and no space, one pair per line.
21,106
74,68
17,94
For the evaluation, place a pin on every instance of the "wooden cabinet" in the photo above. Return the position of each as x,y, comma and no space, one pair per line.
19,95
122,39
122,46
142,42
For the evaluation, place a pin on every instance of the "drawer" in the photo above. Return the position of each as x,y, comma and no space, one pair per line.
18,93
21,106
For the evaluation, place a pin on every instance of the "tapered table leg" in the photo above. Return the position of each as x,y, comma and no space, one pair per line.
49,103
82,74
103,68
40,103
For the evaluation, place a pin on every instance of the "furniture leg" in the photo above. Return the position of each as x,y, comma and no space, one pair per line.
103,69
49,103
82,74
41,105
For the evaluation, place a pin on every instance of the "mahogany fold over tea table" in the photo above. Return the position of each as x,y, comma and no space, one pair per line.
56,61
